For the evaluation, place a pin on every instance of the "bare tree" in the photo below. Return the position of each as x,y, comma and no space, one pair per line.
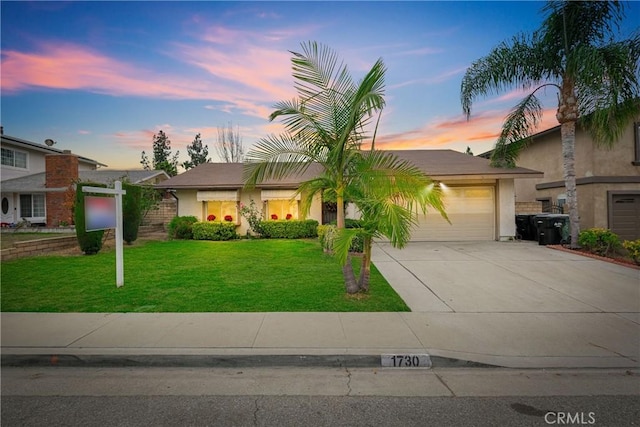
229,147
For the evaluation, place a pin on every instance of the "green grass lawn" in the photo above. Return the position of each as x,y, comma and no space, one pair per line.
192,276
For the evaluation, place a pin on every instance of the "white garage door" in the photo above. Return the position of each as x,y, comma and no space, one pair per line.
471,211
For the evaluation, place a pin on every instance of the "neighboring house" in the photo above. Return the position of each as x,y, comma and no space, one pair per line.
36,179
479,199
608,180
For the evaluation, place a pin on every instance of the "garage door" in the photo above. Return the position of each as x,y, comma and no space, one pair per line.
625,216
471,211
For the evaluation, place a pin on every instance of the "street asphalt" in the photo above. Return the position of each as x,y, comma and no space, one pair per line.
508,304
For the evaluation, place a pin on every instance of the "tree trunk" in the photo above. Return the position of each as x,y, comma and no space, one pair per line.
365,270
568,132
567,116
350,284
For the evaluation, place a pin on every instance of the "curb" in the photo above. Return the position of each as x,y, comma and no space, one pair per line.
227,361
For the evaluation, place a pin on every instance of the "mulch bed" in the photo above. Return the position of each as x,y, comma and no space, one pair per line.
620,261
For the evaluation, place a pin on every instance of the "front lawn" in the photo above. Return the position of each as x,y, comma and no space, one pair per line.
192,276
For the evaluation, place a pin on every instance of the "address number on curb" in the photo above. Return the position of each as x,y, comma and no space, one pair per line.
405,361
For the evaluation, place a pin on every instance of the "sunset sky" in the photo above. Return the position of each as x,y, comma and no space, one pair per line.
101,78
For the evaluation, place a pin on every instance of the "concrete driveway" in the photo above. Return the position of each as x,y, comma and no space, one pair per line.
506,277
516,303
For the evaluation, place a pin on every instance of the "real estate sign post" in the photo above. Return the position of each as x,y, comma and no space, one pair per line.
100,215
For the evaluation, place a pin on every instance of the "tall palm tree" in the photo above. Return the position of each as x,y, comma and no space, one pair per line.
325,124
575,52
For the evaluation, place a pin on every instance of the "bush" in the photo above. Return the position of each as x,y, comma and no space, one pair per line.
289,229
600,241
214,231
131,212
633,247
180,227
90,241
326,234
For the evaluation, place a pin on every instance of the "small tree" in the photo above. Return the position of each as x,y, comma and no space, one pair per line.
197,154
230,148
150,199
131,212
90,241
162,158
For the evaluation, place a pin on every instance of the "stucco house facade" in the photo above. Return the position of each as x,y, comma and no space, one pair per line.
608,180
35,180
479,199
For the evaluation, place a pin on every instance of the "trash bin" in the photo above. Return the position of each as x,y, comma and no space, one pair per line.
553,229
525,227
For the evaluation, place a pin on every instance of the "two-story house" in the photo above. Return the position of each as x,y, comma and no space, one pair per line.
607,179
36,180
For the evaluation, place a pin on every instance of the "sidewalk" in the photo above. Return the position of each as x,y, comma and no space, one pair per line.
522,317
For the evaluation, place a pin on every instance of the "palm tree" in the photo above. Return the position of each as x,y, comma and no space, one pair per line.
575,52
325,125
389,193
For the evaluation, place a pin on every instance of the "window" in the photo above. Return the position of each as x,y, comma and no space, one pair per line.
217,210
16,159
282,209
32,206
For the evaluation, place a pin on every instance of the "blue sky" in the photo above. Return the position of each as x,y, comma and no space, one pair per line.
101,78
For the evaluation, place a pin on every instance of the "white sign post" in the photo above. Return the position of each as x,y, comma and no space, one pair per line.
117,192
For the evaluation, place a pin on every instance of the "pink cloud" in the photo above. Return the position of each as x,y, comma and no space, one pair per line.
481,130
256,74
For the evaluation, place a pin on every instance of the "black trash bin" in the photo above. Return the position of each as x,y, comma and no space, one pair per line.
553,229
525,227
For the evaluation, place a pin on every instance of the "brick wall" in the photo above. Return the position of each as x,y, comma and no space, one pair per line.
528,208
61,170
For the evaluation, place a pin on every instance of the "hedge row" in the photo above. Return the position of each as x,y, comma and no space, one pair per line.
214,231
188,227
289,229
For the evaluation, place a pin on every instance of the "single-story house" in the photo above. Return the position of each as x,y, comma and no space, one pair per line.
607,179
36,179
479,199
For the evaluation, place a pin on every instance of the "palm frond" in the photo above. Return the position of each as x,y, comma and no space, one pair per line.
608,87
276,157
516,130
520,63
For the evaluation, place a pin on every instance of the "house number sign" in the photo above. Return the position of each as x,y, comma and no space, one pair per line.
405,361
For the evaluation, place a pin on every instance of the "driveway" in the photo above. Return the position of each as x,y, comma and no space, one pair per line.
506,277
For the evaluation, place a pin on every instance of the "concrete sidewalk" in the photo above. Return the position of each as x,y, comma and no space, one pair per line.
506,304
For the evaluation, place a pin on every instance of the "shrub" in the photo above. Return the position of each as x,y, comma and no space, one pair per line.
131,212
90,241
180,227
214,231
600,241
253,216
289,229
326,235
633,247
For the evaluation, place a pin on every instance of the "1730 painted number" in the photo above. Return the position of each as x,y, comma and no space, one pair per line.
406,360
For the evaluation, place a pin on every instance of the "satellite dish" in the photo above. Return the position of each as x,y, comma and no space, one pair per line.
49,142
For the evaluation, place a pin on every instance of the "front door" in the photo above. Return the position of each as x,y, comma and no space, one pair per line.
7,208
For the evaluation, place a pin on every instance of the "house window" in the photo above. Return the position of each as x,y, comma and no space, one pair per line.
16,159
32,206
217,210
282,209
